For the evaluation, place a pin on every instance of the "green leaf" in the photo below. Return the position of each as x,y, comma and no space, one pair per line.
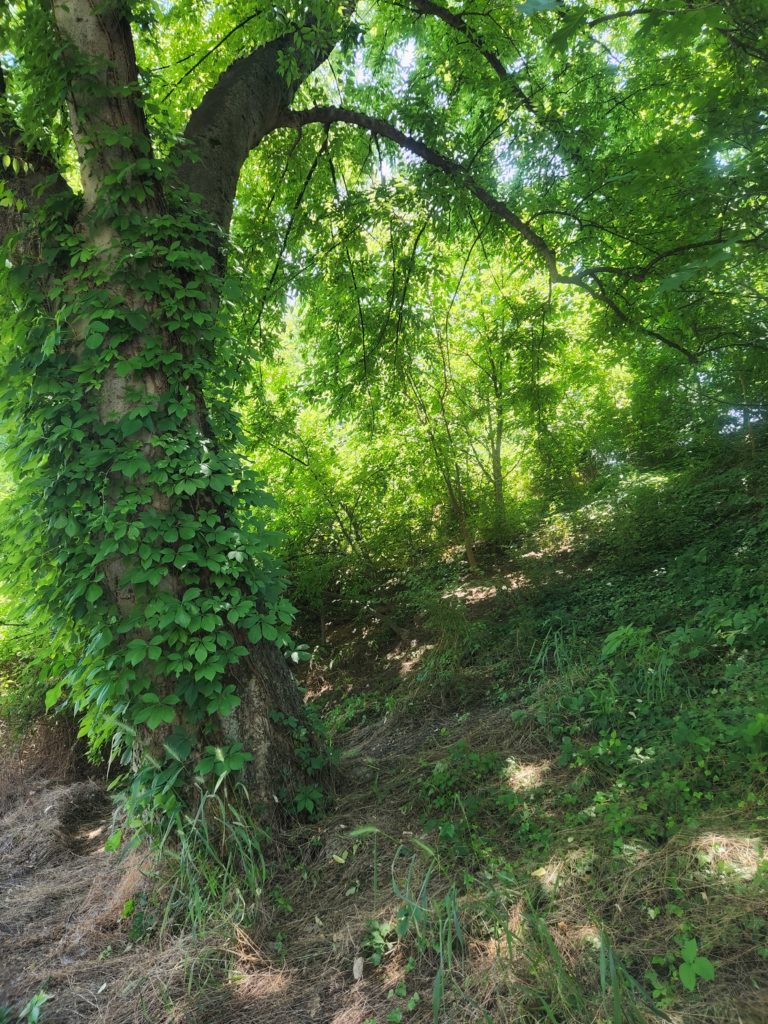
269,631
704,968
93,593
183,618
53,694
113,842
689,950
687,975
136,652
179,744
160,715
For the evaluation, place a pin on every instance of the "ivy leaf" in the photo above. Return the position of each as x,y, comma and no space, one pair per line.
183,618
159,715
269,631
179,744
136,651
225,703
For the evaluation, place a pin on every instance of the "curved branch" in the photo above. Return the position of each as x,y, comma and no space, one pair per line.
29,180
378,126
452,168
240,110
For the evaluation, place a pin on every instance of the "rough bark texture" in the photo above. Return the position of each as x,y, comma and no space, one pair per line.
247,103
231,120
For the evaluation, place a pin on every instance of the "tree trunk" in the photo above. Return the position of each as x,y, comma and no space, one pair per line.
172,570
499,504
456,497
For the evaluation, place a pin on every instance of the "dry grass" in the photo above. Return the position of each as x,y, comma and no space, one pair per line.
530,948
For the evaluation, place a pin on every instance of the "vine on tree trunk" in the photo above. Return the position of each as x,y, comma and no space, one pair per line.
149,537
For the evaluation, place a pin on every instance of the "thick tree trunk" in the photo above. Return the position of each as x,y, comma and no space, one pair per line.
104,107
265,685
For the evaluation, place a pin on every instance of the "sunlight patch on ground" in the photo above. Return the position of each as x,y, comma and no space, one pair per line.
470,594
526,776
585,934
733,854
475,593
407,656
515,922
578,861
264,981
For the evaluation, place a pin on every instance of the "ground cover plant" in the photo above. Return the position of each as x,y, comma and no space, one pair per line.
383,602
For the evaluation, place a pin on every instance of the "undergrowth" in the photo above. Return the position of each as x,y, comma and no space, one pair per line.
551,796
625,799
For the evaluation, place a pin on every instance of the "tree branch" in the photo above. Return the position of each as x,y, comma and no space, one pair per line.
240,110
450,167
378,126
457,23
28,181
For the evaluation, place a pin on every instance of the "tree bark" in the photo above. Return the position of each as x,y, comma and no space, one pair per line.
105,105
499,504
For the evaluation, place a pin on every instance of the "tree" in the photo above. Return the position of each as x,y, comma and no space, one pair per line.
117,290
116,214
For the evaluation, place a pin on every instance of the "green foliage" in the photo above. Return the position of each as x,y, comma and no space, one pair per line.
635,686
164,517
380,938
213,868
693,966
509,402
432,361
462,793
32,1011
21,696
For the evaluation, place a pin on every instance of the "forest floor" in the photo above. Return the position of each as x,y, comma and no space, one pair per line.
527,947
473,865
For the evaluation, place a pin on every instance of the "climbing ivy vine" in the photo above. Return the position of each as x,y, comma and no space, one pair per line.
137,498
